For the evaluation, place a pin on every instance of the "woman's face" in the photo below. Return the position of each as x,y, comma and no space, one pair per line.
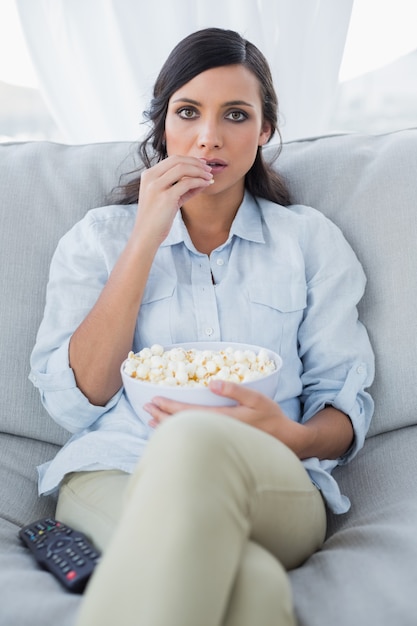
217,116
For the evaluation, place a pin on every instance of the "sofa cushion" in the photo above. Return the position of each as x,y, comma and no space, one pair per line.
366,573
19,457
30,595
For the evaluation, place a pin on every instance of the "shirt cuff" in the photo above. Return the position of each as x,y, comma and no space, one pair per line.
356,403
61,397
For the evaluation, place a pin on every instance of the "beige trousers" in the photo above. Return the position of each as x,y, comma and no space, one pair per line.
202,533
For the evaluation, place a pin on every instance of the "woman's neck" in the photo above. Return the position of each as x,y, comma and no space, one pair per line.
208,221
206,236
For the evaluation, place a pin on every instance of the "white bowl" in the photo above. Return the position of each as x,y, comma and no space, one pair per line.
140,392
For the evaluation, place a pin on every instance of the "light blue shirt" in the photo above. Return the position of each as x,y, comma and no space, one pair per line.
285,279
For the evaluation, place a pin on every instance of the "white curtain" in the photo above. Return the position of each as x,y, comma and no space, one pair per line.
96,60
380,31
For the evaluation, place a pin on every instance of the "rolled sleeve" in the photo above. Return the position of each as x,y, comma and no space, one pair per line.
61,397
358,405
352,400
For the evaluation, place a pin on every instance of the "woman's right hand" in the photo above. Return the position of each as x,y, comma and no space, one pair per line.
164,188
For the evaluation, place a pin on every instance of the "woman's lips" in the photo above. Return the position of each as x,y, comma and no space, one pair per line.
216,165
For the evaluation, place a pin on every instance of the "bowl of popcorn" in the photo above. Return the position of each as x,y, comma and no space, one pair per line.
183,371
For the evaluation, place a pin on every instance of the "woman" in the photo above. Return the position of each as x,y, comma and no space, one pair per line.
221,502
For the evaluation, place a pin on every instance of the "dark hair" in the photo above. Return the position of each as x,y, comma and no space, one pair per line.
201,51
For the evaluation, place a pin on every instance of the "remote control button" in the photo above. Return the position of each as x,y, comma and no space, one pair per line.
30,533
71,575
60,544
51,522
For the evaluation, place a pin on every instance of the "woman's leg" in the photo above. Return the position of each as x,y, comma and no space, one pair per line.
92,502
206,485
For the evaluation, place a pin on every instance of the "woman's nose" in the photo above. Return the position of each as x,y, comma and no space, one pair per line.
209,135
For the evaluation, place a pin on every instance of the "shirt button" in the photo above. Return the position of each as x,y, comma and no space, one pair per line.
220,262
360,369
209,332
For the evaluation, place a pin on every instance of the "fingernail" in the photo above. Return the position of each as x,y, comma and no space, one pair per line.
206,167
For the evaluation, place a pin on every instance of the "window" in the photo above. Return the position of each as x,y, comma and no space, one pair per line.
379,101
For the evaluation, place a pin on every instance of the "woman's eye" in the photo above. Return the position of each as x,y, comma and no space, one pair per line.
187,113
237,116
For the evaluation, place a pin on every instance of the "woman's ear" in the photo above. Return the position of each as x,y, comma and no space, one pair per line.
265,135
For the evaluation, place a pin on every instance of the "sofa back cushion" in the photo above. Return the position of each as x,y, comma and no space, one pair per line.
365,184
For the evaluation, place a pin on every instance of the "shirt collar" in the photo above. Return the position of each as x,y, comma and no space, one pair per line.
246,225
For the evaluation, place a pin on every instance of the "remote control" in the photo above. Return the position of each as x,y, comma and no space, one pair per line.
61,550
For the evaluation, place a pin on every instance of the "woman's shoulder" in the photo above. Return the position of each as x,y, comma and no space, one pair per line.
101,218
98,227
309,225
299,216
296,211
110,212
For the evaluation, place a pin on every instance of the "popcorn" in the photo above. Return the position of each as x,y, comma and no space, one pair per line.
192,367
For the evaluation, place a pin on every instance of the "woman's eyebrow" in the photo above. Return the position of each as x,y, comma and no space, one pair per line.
226,104
238,103
189,100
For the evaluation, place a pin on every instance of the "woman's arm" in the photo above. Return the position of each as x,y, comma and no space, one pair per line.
330,435
326,435
101,342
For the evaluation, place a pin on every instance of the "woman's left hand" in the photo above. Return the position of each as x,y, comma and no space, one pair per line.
252,408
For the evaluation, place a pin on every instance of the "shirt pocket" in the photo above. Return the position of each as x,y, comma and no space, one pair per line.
158,288
276,313
154,320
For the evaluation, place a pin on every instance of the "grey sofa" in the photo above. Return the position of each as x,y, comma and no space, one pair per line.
366,573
